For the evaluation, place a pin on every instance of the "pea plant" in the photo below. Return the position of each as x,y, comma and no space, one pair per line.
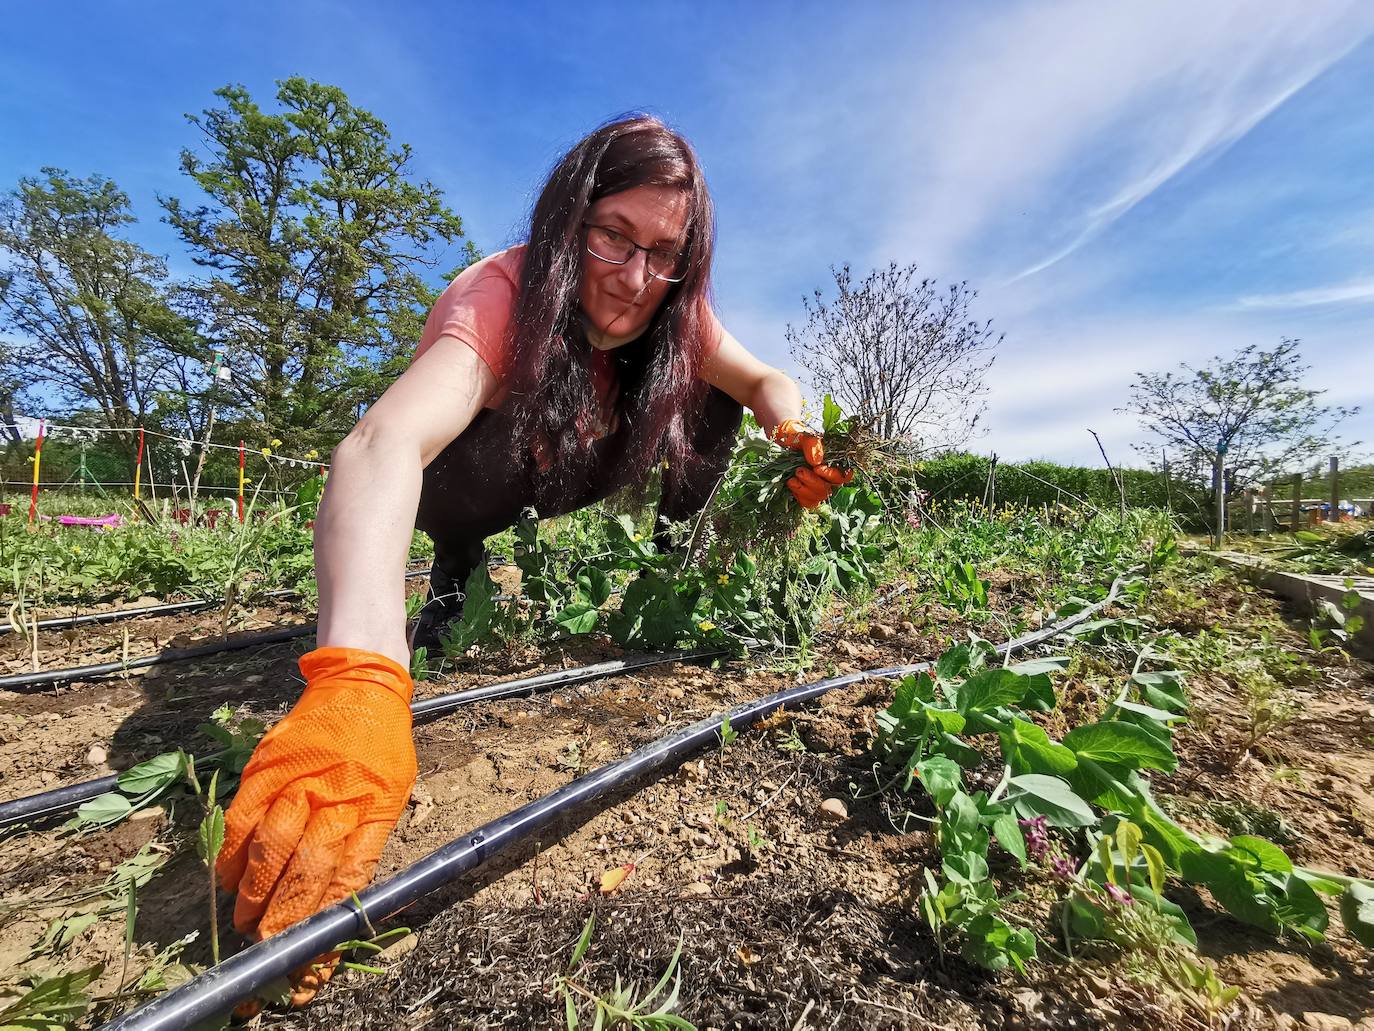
1090,787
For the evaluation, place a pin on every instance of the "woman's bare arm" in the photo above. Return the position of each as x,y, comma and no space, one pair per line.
367,515
767,392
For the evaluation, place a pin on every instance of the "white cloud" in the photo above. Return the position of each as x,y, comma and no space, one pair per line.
1360,291
1044,127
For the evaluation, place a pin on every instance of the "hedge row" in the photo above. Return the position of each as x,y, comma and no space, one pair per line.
963,476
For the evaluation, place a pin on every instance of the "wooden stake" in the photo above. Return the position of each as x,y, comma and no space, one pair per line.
1297,503
37,461
138,465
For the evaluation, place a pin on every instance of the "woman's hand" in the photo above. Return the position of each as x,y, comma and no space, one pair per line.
321,793
812,483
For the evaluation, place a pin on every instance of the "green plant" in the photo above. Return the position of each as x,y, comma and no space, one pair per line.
623,1006
209,841
53,1003
1097,766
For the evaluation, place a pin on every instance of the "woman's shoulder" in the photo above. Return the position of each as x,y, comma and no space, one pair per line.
507,264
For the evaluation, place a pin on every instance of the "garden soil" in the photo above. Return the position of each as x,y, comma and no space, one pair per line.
790,911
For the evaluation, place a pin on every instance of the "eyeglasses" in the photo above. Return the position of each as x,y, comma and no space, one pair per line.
616,248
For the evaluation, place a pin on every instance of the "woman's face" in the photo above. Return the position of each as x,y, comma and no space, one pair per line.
620,300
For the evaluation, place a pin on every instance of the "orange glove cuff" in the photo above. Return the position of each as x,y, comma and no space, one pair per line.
335,667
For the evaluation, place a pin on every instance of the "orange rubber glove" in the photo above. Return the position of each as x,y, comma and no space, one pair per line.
812,483
321,793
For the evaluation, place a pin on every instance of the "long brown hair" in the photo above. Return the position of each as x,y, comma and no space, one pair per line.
659,373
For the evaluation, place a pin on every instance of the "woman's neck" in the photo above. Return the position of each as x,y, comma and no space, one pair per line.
605,341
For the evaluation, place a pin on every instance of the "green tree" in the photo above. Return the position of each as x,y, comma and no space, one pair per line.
94,318
313,233
1252,406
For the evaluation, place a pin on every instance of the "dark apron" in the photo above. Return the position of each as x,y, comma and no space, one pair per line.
478,486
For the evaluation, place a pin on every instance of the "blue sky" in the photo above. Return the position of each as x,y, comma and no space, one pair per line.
1128,185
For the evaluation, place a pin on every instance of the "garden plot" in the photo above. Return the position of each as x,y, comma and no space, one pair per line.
787,863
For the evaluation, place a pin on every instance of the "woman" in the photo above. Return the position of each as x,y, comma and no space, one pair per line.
549,374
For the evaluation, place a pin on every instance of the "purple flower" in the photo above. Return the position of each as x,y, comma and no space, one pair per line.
1062,868
913,520
1037,838
1119,895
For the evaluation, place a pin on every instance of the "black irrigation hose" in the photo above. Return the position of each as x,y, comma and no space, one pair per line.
239,977
59,801
115,615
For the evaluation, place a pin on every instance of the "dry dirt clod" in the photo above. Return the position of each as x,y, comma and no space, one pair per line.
675,693
97,755
1326,1021
835,810
882,632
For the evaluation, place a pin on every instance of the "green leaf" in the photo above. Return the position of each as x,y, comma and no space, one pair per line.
1032,667
1034,794
1154,867
577,618
1298,908
103,810
942,777
1127,842
1008,834
831,415
1028,749
1357,912
1164,690
583,942
988,690
594,586
53,1002
153,774
479,609
1113,741
1260,854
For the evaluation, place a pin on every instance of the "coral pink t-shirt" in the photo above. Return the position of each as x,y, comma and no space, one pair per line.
477,308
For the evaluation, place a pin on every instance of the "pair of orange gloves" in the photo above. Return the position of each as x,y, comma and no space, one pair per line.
326,785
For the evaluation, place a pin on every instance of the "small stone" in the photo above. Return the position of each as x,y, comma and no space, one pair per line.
662,718
908,628
847,648
702,840
675,693
152,812
97,755
253,678
1326,1021
697,888
47,776
882,632
403,947
834,809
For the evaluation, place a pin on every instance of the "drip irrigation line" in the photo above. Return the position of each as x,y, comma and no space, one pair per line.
60,801
221,987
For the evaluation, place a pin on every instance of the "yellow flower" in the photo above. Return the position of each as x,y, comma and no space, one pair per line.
639,537
248,479
276,442
312,453
76,549
706,625
722,579
267,452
